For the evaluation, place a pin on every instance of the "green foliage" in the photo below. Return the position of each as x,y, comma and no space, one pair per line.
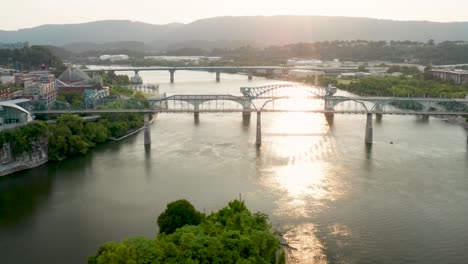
231,235
120,124
70,135
406,70
402,87
454,106
178,214
141,98
117,91
74,98
21,139
110,78
409,105
96,132
29,58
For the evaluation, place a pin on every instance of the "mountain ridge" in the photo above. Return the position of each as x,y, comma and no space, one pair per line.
260,30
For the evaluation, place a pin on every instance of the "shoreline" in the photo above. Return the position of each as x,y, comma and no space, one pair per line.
32,165
133,132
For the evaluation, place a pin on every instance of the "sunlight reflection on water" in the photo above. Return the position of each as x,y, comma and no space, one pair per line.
303,245
302,180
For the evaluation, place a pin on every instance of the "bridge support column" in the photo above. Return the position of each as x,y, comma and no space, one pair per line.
147,130
172,75
218,76
250,75
378,118
379,114
329,111
196,115
316,79
330,118
246,118
425,118
258,138
369,129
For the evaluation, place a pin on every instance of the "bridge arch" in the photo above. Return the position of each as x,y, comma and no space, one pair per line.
198,100
332,102
256,92
401,104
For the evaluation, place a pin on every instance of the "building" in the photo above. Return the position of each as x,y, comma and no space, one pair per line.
459,77
304,62
113,58
40,91
40,86
13,115
7,80
76,80
5,93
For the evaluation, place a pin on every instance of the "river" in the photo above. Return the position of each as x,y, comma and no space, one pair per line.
335,200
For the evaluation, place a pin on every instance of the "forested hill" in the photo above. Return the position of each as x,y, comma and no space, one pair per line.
263,31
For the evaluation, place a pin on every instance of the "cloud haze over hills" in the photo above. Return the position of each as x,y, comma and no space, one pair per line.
272,30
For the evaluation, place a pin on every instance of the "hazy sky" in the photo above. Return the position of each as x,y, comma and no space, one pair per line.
17,14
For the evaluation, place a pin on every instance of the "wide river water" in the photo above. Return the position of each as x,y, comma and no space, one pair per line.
334,199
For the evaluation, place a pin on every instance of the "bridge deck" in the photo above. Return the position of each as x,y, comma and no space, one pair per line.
101,111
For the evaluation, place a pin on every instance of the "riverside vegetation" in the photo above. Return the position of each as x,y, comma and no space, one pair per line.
231,235
70,135
412,83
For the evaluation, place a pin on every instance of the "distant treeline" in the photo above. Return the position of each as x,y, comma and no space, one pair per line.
360,50
448,52
30,58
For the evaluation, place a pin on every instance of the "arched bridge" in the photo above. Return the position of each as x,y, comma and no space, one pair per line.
262,99
270,90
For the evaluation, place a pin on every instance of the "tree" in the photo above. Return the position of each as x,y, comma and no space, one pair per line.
362,68
178,214
231,235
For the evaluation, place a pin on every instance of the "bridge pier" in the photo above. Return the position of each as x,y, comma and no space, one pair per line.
258,137
246,118
379,114
147,134
196,115
330,118
378,118
218,76
368,138
425,118
329,111
250,75
172,75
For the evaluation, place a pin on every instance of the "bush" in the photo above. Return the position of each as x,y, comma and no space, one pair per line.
178,214
231,235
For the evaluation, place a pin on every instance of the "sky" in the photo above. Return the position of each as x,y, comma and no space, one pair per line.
19,14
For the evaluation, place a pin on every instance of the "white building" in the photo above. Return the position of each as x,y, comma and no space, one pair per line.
304,62
114,57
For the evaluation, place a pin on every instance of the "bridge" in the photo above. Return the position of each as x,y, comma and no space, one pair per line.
264,99
250,70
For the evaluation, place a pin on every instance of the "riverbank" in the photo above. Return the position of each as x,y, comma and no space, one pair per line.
133,132
10,164
39,154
